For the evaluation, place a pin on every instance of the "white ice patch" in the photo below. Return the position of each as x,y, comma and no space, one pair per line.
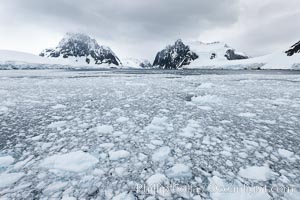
6,161
159,124
156,179
124,196
106,129
179,171
117,155
285,153
161,154
7,179
206,99
205,86
58,106
219,189
122,119
190,129
247,114
3,109
54,187
57,124
262,173
77,161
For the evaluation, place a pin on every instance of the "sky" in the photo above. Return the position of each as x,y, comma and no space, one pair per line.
141,28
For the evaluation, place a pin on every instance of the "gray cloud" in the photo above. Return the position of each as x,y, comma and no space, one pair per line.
141,27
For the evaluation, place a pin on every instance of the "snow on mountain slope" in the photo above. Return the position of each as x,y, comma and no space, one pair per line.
135,63
278,60
16,56
215,51
21,60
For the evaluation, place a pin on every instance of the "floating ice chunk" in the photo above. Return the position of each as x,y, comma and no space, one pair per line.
121,171
207,108
122,119
205,86
157,142
247,114
106,129
179,171
206,99
77,161
262,173
219,189
58,106
285,153
57,124
124,196
3,109
156,179
106,145
117,155
67,197
159,124
54,187
161,154
6,160
190,129
7,179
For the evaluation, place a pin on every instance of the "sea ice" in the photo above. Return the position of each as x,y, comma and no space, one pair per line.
77,161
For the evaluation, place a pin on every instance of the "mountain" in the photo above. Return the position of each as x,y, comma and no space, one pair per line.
215,51
81,48
174,56
136,63
177,55
294,49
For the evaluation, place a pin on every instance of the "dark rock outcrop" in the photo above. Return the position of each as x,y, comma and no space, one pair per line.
76,45
232,55
174,56
294,49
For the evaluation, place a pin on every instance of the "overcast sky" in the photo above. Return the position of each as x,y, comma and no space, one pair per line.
139,28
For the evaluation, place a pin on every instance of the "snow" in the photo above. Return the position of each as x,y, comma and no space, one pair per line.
161,154
285,153
260,173
220,189
277,60
156,179
247,114
6,160
179,171
206,99
77,161
117,155
124,196
21,60
8,179
106,129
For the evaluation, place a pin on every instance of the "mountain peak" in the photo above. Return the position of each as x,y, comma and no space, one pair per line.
80,46
293,49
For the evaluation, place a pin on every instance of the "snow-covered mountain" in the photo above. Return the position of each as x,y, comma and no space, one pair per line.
294,49
136,63
174,56
83,49
179,54
215,51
